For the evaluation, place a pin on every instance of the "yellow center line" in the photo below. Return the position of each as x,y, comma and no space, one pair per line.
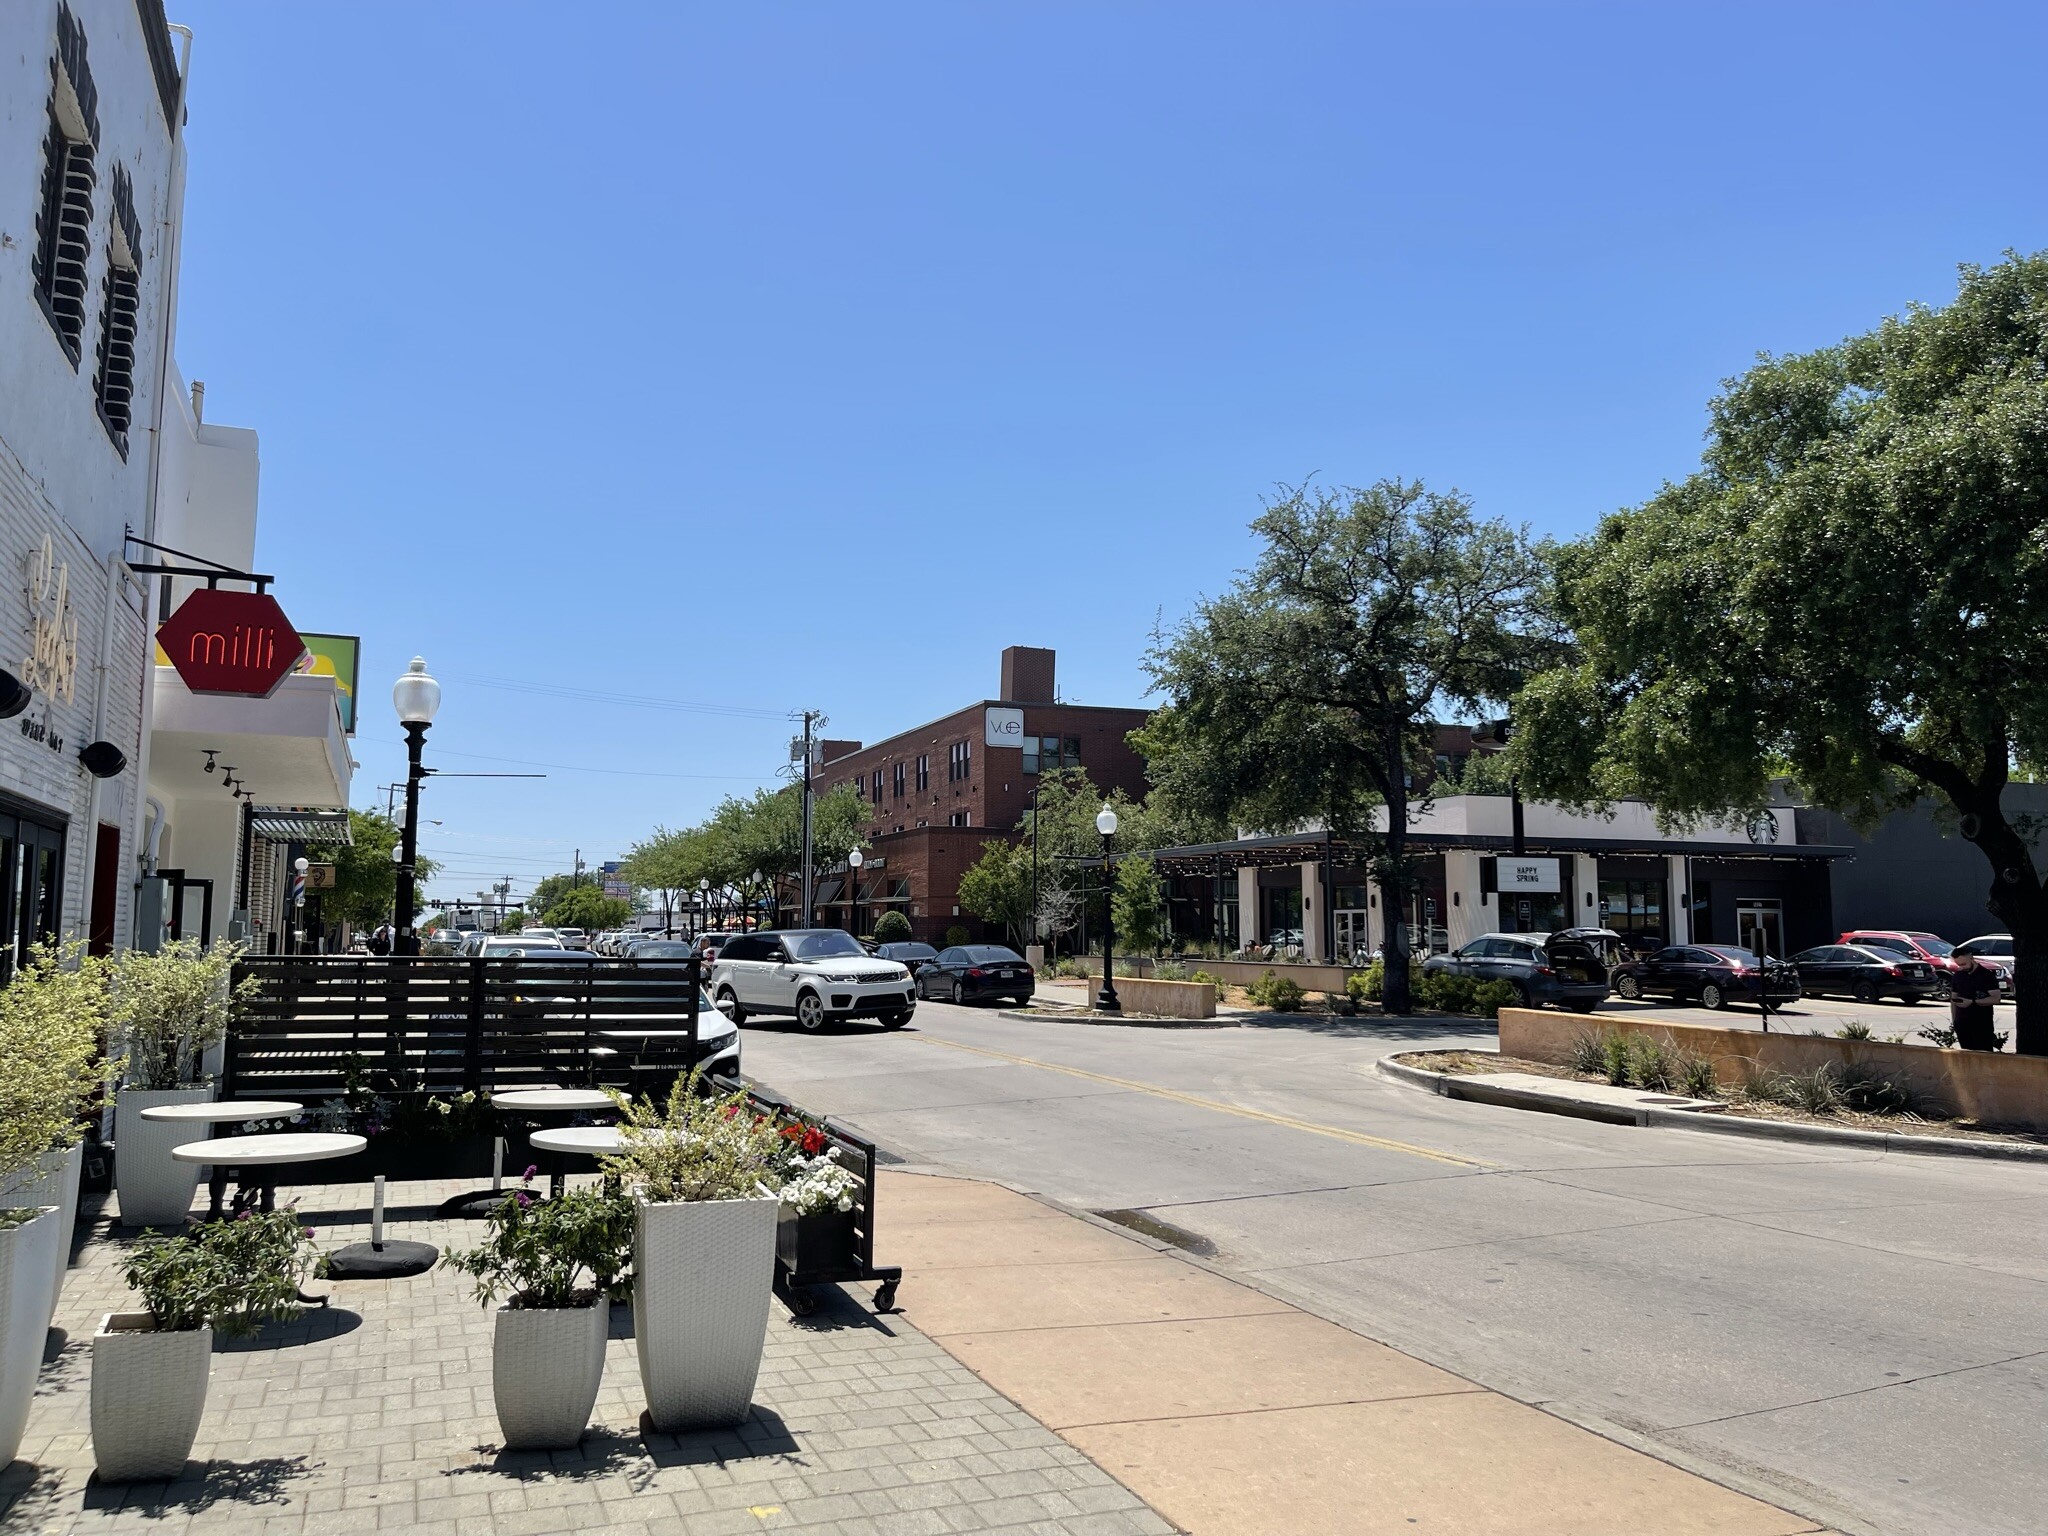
1336,1133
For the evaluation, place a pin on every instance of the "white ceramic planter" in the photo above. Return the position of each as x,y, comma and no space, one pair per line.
55,1182
148,1392
155,1191
703,1272
546,1364
28,1278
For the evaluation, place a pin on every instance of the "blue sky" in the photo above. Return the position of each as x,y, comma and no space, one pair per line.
765,356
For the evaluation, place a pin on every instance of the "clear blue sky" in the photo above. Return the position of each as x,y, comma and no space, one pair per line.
772,355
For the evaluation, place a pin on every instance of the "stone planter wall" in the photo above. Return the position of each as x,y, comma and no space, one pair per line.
1990,1086
1165,999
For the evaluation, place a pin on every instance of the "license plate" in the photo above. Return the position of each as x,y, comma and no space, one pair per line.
1916,970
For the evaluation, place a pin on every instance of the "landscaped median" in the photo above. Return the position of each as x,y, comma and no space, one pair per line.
1794,1086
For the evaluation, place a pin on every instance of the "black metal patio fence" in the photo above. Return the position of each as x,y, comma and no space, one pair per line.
455,1025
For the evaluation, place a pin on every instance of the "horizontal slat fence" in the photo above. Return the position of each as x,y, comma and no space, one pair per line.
448,1026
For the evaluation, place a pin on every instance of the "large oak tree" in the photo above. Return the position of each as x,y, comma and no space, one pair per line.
1309,691
1853,589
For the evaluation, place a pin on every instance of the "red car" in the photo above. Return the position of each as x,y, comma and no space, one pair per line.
1930,947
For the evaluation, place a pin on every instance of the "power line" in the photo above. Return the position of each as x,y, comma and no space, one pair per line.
627,700
627,773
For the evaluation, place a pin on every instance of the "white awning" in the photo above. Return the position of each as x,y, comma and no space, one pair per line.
289,748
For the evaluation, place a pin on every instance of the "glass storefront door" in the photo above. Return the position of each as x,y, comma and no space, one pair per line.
1354,940
31,886
1760,925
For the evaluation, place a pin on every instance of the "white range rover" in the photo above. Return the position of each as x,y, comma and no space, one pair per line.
815,974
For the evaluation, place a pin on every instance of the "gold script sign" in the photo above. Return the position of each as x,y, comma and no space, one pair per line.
52,665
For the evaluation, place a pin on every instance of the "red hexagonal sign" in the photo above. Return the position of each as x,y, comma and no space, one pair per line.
230,642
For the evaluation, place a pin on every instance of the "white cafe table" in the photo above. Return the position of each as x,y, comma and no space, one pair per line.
224,1112
553,1101
266,1153
581,1140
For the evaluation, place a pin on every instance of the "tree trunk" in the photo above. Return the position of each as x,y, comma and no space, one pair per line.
1395,997
2017,900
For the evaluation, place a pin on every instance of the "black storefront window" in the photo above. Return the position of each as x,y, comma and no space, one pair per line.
31,883
1635,909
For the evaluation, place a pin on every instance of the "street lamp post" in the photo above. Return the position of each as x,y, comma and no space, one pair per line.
417,698
754,900
703,906
299,867
1106,999
853,864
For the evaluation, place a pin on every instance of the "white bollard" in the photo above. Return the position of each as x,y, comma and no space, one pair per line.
497,1164
377,1213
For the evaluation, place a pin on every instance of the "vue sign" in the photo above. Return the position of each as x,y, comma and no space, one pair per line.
231,642
1002,728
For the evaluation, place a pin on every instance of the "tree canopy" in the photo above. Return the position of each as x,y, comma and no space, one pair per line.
1307,693
365,879
587,907
1852,590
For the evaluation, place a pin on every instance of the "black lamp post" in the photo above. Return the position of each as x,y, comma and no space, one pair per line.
854,860
417,698
1106,1000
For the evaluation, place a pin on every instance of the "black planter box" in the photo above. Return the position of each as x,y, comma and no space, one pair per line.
407,1157
820,1247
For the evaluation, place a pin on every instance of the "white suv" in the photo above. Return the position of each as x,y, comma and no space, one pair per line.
814,973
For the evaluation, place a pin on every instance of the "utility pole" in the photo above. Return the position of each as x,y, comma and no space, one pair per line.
811,718
576,877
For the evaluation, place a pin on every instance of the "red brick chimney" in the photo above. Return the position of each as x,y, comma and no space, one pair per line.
1027,675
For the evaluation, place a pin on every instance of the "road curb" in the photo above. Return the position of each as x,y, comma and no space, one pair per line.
1126,1020
1452,1086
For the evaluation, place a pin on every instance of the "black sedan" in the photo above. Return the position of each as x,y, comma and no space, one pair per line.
970,971
908,953
1865,973
1713,974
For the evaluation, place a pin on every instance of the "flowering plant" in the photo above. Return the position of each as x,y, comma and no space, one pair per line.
820,1184
234,1275
551,1253
698,1148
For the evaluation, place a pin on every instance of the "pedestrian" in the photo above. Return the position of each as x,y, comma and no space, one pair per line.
1972,992
380,941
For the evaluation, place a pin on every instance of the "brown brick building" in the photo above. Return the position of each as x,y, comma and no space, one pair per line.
940,793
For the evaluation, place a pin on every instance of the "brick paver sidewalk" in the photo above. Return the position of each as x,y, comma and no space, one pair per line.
376,1415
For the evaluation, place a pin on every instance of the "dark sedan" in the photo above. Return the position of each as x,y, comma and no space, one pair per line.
908,954
1866,973
967,972
1713,974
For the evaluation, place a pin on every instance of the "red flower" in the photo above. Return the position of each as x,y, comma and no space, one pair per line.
815,1140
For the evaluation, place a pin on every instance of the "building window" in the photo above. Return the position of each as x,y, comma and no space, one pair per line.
896,782
1045,753
924,772
958,819
959,761
860,787
878,786
64,232
113,383
1635,909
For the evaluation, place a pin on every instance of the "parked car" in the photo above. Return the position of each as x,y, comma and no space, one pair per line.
817,974
1865,973
1542,967
907,953
967,973
1713,974
574,938
1930,948
659,949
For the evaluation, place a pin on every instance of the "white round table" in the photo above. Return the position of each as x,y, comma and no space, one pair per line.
224,1112
553,1100
583,1140
268,1152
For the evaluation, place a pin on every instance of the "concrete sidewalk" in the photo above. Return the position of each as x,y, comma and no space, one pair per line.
1234,1414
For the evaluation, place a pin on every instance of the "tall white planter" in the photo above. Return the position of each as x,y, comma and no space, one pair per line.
148,1393
154,1190
28,1278
703,1273
53,1182
546,1364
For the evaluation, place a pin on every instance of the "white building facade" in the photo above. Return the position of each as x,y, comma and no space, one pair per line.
90,204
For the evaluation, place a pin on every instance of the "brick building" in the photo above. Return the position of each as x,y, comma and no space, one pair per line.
941,793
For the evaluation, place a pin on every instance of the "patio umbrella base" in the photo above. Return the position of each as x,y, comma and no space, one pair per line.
381,1261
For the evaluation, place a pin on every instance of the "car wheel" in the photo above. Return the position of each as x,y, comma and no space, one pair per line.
1866,991
1522,998
895,1020
1713,997
729,1005
959,993
810,1012
1628,987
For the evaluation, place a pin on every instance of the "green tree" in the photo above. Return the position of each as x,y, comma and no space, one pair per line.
365,879
997,888
511,922
587,907
1852,589
1308,691
550,889
1140,910
892,927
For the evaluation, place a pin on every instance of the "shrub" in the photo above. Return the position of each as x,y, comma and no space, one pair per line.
1489,997
1445,991
171,1006
1169,970
1282,994
697,1148
1875,1093
1818,1092
234,1275
1939,1034
1651,1063
1696,1077
1855,1029
1214,981
1587,1053
1365,986
546,1252
892,928
51,1016
956,936
1614,1058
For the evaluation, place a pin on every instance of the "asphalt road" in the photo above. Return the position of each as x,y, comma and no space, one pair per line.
1862,1338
